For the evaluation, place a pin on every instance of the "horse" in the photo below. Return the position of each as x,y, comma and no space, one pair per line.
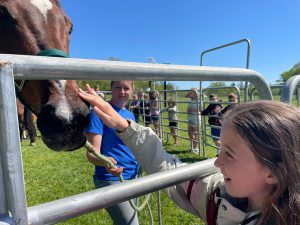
41,27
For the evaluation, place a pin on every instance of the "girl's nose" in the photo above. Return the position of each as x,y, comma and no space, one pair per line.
122,90
218,162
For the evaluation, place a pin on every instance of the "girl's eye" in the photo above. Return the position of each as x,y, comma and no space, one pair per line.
228,154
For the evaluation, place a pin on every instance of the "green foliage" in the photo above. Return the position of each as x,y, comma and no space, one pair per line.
104,85
217,84
295,70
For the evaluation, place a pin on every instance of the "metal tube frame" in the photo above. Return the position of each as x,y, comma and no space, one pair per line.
13,208
45,68
288,89
227,45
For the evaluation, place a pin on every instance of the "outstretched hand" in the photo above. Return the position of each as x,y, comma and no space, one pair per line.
104,110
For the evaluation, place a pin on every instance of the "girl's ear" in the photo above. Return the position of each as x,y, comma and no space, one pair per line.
271,179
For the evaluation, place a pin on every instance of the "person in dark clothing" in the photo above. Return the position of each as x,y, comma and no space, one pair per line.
213,111
232,101
135,107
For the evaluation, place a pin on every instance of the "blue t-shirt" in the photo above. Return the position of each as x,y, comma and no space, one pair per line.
113,146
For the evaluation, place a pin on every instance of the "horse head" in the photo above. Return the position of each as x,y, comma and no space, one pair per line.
32,27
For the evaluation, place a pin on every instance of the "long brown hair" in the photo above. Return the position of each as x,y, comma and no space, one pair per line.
272,131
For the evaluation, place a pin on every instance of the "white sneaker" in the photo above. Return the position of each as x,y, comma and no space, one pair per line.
195,151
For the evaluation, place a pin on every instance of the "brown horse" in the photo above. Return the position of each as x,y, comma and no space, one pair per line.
31,27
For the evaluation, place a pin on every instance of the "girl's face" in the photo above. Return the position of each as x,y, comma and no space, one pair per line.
217,109
154,94
213,99
244,175
121,91
171,104
192,95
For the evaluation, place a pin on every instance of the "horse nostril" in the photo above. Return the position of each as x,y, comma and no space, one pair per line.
48,123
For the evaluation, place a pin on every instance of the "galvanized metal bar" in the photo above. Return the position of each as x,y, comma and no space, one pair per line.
289,88
12,182
227,45
35,67
66,208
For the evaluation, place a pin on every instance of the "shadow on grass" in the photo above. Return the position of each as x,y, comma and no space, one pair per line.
191,160
176,152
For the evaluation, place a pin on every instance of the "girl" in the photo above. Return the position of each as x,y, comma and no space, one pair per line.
258,182
193,119
154,111
173,119
213,110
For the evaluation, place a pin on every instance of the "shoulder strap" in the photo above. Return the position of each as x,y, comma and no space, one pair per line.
189,190
212,207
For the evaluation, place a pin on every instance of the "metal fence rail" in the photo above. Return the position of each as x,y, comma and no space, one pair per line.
288,89
12,199
44,68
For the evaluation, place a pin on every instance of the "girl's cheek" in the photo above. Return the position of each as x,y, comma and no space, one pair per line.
218,162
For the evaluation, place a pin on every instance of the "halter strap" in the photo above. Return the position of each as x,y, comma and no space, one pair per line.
53,52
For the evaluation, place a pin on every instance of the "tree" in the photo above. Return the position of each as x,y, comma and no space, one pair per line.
295,70
217,84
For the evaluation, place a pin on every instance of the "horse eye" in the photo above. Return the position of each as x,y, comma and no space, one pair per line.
3,12
71,29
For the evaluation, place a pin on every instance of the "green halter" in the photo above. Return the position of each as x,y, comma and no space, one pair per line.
53,53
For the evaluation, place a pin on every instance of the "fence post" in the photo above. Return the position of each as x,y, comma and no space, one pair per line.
12,197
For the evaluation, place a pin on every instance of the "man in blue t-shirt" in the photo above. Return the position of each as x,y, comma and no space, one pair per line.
105,141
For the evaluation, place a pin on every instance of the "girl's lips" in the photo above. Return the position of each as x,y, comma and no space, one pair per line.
225,177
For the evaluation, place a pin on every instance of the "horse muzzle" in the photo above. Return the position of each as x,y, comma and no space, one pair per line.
61,133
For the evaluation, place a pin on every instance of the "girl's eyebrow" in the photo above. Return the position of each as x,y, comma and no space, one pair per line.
229,149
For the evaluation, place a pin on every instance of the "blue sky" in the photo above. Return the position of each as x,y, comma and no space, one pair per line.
177,32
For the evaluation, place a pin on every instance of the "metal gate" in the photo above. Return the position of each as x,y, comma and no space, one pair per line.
13,209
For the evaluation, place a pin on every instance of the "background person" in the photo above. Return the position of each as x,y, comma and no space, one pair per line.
213,110
106,142
193,119
173,119
154,111
252,186
232,101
